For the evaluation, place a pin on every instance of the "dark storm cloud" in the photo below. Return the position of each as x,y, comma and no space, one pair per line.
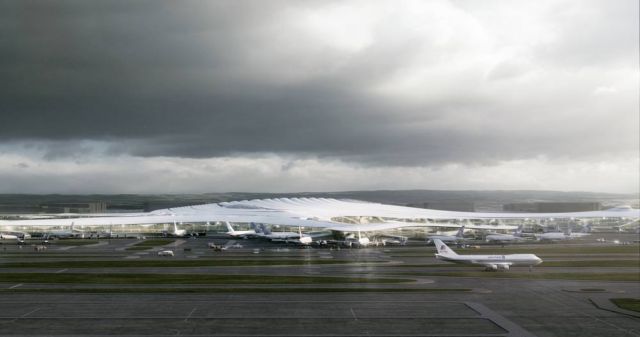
206,79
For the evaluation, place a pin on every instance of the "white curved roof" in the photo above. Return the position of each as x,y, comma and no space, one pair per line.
327,209
311,212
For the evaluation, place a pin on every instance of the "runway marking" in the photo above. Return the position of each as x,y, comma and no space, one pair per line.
191,313
502,322
353,314
30,312
560,303
16,286
61,271
24,315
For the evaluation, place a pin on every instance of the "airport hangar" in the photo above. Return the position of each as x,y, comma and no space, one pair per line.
315,214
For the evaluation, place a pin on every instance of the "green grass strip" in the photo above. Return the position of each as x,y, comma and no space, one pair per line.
593,263
234,290
63,242
632,304
169,263
631,277
50,255
118,278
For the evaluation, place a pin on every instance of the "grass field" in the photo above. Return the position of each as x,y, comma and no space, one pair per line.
629,277
136,279
632,304
200,290
631,263
171,263
62,242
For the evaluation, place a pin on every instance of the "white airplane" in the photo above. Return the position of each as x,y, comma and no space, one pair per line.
239,234
490,262
276,236
361,241
448,238
585,232
65,234
505,237
175,232
392,240
559,236
289,237
303,239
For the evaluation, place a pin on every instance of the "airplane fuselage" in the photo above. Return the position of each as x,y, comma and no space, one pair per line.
512,259
553,236
502,237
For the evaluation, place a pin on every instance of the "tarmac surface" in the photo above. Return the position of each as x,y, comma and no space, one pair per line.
425,305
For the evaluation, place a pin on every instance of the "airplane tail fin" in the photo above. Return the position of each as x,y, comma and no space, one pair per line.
443,249
256,228
264,229
229,228
519,230
460,233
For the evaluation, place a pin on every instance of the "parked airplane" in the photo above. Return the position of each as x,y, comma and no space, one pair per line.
490,262
240,234
303,239
175,232
391,240
276,236
559,236
448,238
585,232
361,241
505,237
64,234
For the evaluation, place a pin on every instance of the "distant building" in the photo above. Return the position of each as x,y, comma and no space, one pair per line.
460,206
89,207
552,207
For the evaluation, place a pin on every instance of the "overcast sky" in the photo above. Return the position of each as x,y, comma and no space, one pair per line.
274,96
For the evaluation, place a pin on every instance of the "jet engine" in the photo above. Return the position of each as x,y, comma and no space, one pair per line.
503,266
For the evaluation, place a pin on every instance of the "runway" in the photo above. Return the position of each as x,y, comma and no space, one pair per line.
291,292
